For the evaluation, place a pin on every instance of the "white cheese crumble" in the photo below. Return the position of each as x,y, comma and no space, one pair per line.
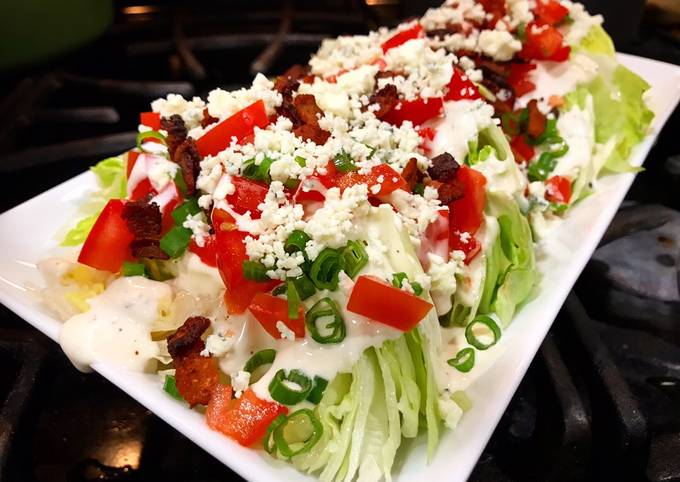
190,110
498,44
286,333
222,103
200,229
582,22
240,382
217,344
346,53
161,172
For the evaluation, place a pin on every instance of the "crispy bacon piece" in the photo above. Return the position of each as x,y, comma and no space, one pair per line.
450,191
207,118
144,220
196,375
444,167
189,161
537,120
289,81
308,114
386,99
411,174
177,132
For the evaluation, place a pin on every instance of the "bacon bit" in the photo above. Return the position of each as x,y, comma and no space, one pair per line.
187,335
207,119
189,160
196,375
537,120
177,131
450,191
556,101
308,113
444,167
145,221
411,174
386,98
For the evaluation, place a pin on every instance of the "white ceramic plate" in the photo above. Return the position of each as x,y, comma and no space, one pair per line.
27,234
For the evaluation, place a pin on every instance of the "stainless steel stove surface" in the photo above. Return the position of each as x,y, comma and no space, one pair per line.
600,402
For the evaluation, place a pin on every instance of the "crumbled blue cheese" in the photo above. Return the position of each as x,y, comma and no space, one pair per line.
498,44
286,333
416,212
161,172
222,103
240,382
443,273
346,53
199,228
582,22
190,110
217,344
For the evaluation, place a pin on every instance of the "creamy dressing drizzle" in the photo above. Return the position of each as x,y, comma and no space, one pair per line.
117,327
460,124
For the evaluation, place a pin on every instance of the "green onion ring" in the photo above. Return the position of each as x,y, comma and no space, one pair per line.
285,394
170,387
268,443
254,270
293,300
297,240
149,135
464,360
326,268
282,444
355,258
261,358
490,324
323,308
316,394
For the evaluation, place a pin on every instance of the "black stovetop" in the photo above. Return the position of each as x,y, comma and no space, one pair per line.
601,400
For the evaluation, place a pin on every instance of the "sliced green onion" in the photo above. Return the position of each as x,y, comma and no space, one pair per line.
417,288
254,270
300,431
301,161
188,208
304,286
159,269
319,387
344,162
176,241
149,135
257,172
170,387
293,300
326,268
488,322
268,442
419,189
540,169
485,152
398,279
291,183
133,269
297,240
522,31
281,389
559,208
261,358
334,330
510,123
464,360
355,258
279,290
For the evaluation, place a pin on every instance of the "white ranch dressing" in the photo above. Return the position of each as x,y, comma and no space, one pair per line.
577,128
502,176
558,79
461,123
197,278
117,327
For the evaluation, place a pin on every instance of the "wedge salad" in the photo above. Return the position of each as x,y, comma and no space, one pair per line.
323,261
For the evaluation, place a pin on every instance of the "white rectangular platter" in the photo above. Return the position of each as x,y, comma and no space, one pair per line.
27,234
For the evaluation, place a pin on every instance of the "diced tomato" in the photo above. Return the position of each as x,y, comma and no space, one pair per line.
495,8
402,37
519,78
551,12
269,310
426,135
466,213
207,252
132,157
151,120
544,42
418,111
331,175
558,189
141,190
108,243
240,125
381,175
521,149
461,87
247,196
436,239
246,419
466,243
375,299
231,252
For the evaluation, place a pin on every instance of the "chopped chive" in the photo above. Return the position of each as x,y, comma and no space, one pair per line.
344,162
133,269
355,258
181,212
176,241
254,270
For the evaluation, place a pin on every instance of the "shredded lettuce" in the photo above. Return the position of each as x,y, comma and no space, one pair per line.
112,181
